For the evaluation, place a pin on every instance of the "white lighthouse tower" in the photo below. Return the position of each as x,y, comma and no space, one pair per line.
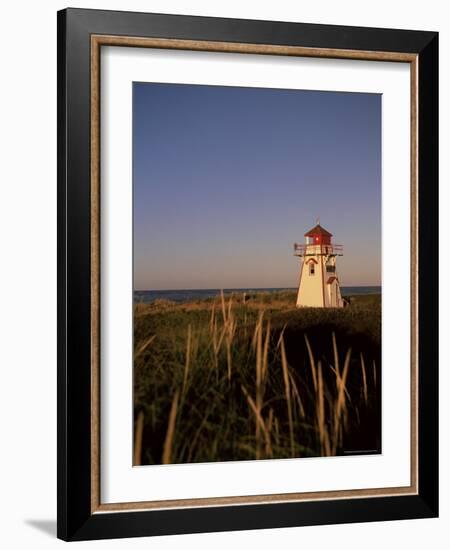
319,282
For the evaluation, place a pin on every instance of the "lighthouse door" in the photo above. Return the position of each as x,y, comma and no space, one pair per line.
332,293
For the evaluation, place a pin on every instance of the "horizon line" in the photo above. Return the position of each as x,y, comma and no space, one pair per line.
240,288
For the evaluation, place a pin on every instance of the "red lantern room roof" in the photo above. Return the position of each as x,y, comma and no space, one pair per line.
318,230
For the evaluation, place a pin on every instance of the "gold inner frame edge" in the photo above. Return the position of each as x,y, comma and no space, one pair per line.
97,41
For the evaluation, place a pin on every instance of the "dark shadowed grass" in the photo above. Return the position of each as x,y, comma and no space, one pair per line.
250,376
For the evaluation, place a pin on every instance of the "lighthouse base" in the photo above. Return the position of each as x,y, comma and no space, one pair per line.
328,295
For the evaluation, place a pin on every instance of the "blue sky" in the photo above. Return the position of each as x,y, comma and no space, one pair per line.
226,179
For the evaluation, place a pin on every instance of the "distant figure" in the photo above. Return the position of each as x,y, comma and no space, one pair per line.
319,283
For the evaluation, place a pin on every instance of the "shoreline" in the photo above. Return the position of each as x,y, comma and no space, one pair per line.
187,296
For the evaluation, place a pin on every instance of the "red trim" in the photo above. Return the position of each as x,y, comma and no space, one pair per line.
312,260
331,279
318,230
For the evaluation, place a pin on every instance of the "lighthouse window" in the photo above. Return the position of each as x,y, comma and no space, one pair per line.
331,269
312,268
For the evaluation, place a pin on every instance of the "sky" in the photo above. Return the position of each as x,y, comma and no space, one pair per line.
226,179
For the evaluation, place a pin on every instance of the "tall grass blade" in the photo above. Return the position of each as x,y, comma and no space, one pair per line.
144,346
258,329
222,302
259,421
340,407
287,390
137,455
323,432
188,358
212,318
336,354
297,396
312,363
265,364
364,378
168,442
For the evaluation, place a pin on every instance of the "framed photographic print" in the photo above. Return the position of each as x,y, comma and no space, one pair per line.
247,262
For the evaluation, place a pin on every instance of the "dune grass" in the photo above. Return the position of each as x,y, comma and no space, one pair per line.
250,376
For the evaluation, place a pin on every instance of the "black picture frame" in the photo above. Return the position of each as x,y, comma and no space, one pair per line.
75,518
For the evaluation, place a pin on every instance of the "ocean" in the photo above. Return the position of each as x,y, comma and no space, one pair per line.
146,296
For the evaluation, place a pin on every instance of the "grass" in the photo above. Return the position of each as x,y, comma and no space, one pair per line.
251,377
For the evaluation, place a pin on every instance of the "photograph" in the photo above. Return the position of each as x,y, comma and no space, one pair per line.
247,261
257,273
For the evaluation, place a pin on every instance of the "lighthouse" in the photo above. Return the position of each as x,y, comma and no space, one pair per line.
319,282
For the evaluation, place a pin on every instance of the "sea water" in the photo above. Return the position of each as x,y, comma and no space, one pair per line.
188,295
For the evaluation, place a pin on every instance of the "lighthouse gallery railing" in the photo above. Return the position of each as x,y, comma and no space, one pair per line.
317,249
